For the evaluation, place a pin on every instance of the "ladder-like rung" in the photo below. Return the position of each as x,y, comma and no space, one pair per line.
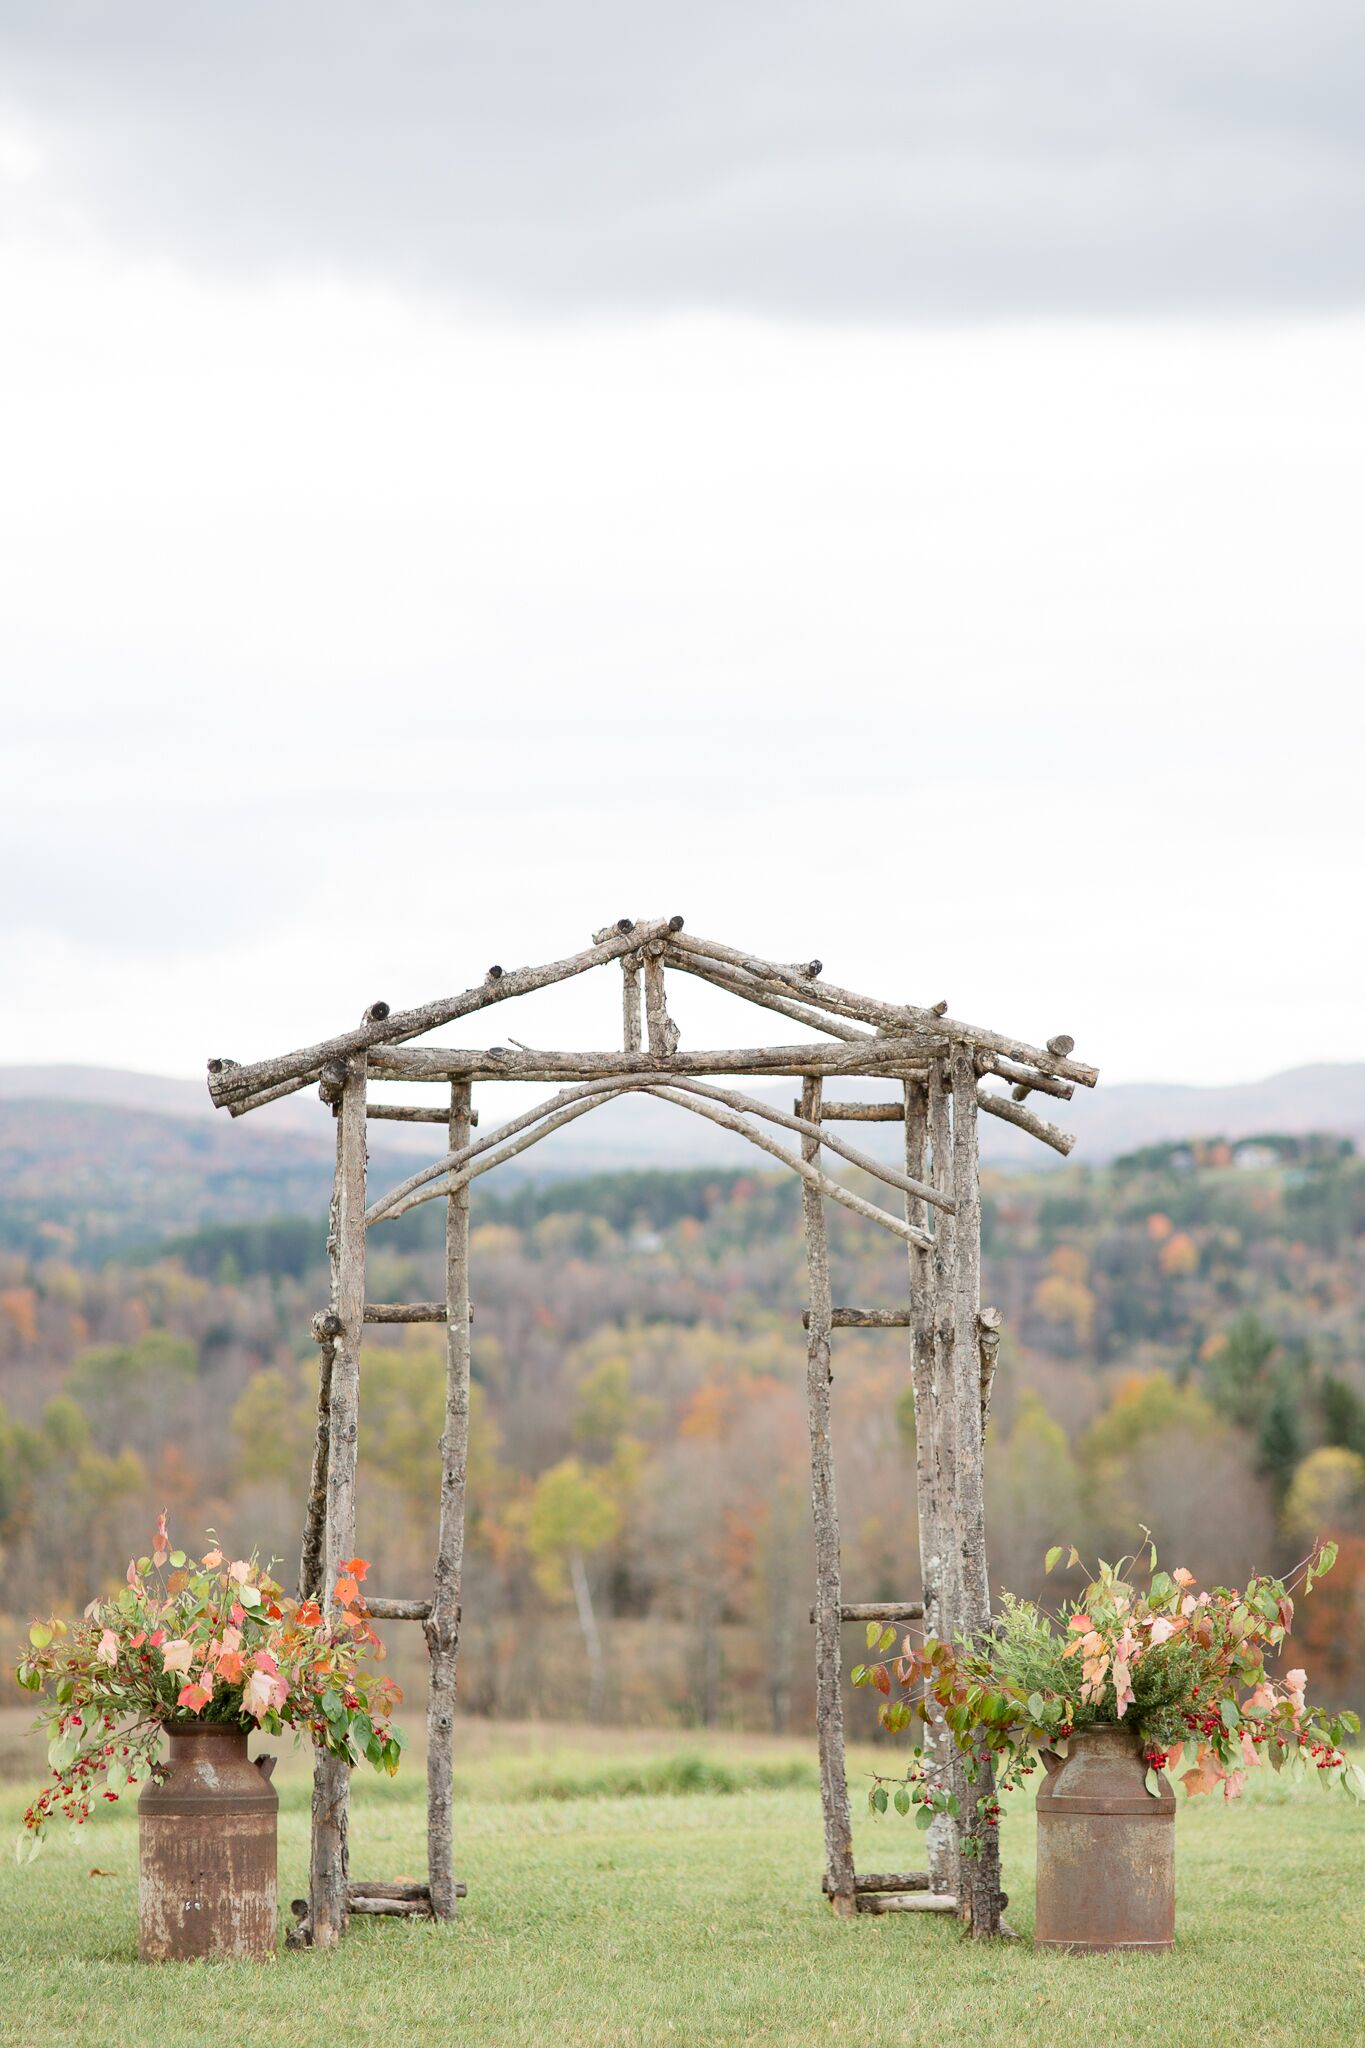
412,1113
861,1319
881,1610
862,1112
906,1902
897,1881
398,1610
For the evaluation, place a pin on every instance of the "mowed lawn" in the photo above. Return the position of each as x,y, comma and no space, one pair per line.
608,1910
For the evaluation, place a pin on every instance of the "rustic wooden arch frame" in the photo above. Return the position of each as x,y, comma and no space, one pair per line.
941,1064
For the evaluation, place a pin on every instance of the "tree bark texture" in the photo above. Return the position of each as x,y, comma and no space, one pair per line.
443,1626
978,1874
829,1703
925,1113
331,1777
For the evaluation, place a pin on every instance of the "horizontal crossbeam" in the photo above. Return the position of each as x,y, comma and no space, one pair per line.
880,1610
907,1902
412,1113
896,1881
399,1610
864,1319
407,1312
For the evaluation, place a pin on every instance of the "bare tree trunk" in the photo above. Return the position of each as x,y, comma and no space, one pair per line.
330,1867
592,1640
933,1462
979,1874
443,1627
829,1701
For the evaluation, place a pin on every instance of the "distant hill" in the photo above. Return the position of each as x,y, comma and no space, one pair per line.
111,1158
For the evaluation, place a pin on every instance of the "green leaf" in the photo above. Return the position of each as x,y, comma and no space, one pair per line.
1229,1716
888,1638
859,1674
250,1596
902,1799
873,1631
1037,1706
1153,1782
333,1705
879,1799
1053,1558
1327,1557
177,1558
924,1818
40,1635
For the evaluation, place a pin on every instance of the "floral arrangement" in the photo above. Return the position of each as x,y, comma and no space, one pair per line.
1186,1668
214,1641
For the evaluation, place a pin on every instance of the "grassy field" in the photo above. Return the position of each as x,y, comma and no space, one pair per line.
659,1890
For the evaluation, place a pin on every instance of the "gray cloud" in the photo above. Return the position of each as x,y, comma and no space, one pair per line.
859,161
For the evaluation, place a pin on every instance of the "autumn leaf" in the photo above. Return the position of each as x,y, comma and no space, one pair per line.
347,1592
356,1566
194,1696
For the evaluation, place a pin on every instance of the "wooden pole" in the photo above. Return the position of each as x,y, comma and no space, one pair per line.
443,1625
829,1704
660,1029
346,1246
933,1451
979,1874
630,1000
230,1081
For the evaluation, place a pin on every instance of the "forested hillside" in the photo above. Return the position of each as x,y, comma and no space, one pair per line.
1184,1347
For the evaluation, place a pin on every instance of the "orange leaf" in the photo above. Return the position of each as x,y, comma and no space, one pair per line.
356,1566
347,1591
881,1678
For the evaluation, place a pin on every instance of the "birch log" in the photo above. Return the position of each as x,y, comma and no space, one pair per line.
897,1017
331,1777
230,1081
1024,1119
829,1702
630,999
737,983
315,1520
443,1625
978,1875
933,1453
878,1056
660,1029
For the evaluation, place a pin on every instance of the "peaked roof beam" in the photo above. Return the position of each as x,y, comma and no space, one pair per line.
265,1080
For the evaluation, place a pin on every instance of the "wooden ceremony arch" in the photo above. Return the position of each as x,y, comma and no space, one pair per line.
941,1065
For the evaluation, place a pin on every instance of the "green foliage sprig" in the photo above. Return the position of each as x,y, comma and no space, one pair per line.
1186,1668
215,1641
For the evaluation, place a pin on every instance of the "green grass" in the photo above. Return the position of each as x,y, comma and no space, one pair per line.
668,1893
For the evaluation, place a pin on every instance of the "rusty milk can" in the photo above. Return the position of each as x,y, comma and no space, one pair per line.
206,1881
1106,1847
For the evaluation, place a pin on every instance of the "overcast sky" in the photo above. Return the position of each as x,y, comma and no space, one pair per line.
880,481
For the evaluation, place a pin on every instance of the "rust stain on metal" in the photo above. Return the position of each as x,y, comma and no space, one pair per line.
1106,1849
206,1885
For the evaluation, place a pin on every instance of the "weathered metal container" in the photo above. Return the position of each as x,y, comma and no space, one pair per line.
206,1882
1106,1848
